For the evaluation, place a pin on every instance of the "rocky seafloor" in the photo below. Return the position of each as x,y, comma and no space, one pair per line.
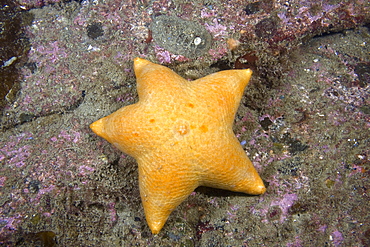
304,120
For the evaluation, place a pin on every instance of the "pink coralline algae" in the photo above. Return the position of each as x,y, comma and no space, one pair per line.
296,243
337,238
26,160
2,181
283,203
14,154
28,4
217,29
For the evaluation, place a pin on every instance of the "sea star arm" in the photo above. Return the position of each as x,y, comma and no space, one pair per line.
162,188
230,169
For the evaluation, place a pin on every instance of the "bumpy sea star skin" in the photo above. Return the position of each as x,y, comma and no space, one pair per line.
180,133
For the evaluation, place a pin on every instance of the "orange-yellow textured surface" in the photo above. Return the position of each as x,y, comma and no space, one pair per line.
180,133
